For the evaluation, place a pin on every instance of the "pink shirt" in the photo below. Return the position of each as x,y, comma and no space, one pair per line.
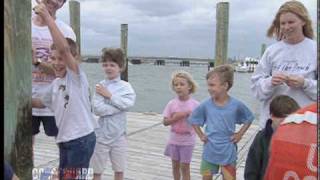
181,132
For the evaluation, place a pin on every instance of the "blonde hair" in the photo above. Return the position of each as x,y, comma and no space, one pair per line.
185,75
225,73
73,47
299,10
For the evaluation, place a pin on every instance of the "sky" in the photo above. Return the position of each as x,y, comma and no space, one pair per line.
179,28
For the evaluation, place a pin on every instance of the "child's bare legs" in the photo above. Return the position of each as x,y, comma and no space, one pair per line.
118,175
185,171
176,170
96,176
229,172
207,170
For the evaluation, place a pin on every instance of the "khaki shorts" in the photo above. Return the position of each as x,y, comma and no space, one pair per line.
116,152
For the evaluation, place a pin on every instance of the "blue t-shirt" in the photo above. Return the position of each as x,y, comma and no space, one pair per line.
220,124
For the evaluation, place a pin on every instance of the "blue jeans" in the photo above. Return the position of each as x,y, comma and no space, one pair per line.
75,155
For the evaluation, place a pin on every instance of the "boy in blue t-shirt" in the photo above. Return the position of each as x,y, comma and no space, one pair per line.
220,113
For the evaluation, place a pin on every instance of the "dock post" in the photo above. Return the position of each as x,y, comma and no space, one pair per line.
263,48
124,46
17,87
74,8
222,28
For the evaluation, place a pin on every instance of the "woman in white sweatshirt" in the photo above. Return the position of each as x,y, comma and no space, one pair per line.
288,66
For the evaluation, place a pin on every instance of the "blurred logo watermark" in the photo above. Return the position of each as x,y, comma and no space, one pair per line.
67,173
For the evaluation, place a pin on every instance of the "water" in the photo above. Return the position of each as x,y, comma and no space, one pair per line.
152,85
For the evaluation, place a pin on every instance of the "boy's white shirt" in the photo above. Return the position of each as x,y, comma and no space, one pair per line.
73,115
42,40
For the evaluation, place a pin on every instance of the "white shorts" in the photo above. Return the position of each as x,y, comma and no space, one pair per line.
116,152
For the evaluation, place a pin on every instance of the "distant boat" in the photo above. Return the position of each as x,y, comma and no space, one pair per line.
242,68
248,65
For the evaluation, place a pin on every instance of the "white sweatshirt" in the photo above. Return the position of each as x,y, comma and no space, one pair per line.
291,59
112,123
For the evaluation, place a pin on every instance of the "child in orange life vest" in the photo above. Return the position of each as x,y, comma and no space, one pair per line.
257,159
293,148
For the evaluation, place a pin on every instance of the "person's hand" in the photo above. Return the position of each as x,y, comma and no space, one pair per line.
103,91
204,138
236,137
165,122
41,10
295,81
278,79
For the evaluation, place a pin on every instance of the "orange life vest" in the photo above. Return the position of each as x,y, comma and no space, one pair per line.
293,149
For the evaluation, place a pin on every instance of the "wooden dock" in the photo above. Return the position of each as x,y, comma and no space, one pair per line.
147,139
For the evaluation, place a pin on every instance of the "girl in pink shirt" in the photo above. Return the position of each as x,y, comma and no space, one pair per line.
182,136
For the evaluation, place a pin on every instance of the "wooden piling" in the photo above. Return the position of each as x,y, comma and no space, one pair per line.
222,28
17,87
263,48
124,46
74,8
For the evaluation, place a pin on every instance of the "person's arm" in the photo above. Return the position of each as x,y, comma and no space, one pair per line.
122,100
101,107
254,161
309,86
58,38
166,121
198,119
175,117
37,103
236,137
200,134
103,104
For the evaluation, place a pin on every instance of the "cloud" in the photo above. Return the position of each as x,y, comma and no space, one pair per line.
159,8
183,28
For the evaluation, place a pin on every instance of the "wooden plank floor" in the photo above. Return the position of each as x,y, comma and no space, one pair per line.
147,139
